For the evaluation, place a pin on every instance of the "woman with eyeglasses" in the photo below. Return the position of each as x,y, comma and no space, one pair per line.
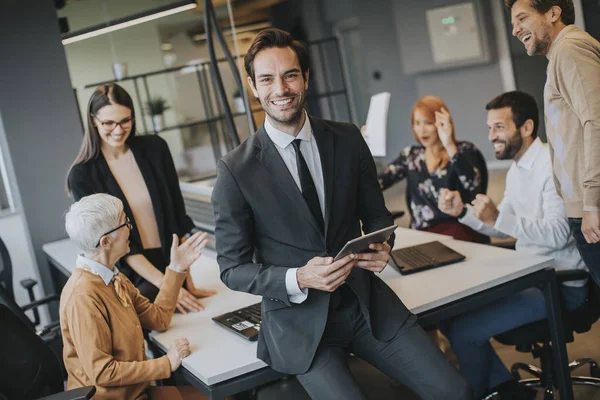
102,315
138,170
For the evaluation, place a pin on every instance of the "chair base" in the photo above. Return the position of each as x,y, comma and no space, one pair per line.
541,380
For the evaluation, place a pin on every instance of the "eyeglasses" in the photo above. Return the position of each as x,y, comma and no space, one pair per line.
110,126
127,223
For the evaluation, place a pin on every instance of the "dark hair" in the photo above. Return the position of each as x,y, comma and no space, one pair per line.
104,95
522,105
542,6
273,37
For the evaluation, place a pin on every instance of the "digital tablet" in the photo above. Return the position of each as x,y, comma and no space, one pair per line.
361,244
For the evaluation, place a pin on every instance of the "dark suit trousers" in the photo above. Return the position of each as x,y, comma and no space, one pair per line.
410,358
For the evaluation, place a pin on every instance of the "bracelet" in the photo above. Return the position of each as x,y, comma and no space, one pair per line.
462,213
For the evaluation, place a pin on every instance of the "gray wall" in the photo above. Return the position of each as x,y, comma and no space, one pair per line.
465,90
40,118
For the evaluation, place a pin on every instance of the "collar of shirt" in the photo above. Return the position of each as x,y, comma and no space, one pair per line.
526,161
559,37
283,139
102,270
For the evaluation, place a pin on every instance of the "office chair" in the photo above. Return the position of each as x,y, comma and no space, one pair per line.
29,368
6,282
50,333
535,338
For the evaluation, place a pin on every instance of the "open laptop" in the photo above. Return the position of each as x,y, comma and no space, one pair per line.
424,256
244,322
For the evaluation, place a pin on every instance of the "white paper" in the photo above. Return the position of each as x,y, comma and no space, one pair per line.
377,123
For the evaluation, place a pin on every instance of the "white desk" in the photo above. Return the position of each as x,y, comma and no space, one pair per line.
219,356
485,267
62,254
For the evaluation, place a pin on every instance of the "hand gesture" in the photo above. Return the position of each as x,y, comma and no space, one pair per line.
485,210
183,255
322,273
450,202
187,302
590,226
377,260
445,128
179,350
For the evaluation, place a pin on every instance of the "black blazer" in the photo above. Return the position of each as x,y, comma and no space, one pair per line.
154,159
260,213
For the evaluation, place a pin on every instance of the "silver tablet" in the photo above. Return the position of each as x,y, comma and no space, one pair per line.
361,244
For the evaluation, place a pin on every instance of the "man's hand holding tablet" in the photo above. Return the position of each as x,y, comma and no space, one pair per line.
370,252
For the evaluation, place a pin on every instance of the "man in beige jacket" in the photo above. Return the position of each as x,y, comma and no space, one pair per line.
572,111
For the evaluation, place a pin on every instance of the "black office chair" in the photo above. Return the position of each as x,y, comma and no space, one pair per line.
6,281
50,333
29,368
535,338
397,214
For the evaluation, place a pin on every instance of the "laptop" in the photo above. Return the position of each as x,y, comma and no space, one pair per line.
244,322
424,256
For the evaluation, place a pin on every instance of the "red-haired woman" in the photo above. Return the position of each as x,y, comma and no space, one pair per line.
437,161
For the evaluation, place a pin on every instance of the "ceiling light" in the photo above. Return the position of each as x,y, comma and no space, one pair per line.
129,21
238,30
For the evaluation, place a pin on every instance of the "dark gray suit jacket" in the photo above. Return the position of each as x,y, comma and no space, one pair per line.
264,227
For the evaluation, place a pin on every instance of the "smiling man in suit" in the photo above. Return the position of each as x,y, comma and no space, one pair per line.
286,201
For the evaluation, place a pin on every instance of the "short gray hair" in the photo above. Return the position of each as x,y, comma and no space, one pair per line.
90,218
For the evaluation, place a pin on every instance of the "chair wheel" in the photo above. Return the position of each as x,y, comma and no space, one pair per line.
595,371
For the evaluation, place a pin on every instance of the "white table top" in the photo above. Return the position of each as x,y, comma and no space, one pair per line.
485,267
218,355
64,252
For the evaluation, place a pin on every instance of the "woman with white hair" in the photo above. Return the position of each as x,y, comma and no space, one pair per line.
102,314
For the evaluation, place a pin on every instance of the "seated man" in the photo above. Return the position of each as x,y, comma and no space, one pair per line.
533,213
102,314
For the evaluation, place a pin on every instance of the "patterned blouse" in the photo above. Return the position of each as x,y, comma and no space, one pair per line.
465,172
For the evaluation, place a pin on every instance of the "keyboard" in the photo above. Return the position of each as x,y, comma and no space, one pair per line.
424,256
244,322
415,257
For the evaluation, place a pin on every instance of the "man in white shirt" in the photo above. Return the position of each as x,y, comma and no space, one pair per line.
533,213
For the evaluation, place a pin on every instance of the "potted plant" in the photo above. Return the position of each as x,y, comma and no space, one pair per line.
156,107
238,101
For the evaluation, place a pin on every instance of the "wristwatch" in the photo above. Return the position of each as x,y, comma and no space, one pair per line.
462,213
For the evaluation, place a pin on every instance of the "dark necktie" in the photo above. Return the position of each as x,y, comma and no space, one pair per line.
309,191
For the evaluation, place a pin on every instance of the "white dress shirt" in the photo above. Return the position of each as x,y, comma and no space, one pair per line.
103,271
310,152
97,269
533,213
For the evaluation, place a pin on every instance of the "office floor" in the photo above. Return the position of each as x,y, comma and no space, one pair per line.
378,386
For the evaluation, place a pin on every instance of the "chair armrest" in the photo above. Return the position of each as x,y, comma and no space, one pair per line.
82,393
40,302
571,275
397,214
54,326
28,284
